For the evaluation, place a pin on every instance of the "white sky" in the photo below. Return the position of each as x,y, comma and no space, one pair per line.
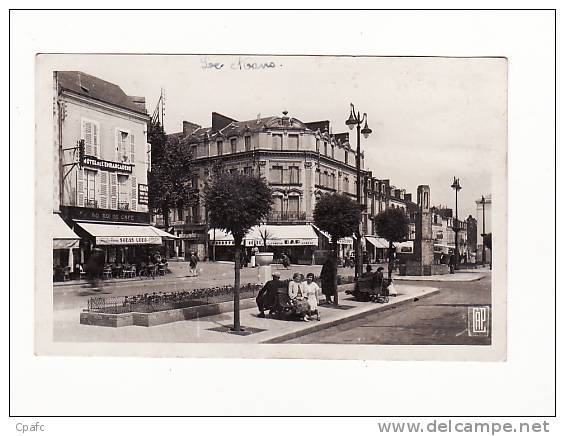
432,118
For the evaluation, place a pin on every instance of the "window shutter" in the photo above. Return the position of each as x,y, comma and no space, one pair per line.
148,157
113,191
133,193
132,149
95,139
104,189
80,187
118,157
87,134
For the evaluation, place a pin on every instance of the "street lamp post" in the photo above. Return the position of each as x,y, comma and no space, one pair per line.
355,120
483,234
457,187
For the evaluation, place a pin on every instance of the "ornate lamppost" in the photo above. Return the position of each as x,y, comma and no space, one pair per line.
457,187
355,120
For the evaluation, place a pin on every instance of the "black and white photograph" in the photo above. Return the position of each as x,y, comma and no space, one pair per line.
340,220
262,199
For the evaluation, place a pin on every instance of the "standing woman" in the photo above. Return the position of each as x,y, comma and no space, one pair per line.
328,278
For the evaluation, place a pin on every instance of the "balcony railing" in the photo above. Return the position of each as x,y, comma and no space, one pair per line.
123,205
88,202
286,216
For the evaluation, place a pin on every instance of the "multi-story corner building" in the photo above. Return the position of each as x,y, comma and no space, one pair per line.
101,191
300,161
444,234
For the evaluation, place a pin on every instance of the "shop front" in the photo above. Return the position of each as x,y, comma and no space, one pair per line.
65,247
377,248
125,237
298,242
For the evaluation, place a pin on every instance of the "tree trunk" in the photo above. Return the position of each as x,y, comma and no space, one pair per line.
334,254
166,223
390,259
237,271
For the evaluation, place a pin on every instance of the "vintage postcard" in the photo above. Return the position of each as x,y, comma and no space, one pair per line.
270,206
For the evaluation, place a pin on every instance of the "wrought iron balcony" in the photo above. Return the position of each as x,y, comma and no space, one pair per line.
123,205
287,216
88,202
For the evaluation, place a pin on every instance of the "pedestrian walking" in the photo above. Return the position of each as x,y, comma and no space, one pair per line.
328,276
193,263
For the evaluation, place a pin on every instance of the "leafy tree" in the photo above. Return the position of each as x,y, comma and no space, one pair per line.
168,180
237,202
392,224
338,215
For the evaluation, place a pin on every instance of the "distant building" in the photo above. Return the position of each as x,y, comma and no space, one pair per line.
103,196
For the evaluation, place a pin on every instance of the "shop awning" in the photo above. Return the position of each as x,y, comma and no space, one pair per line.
404,247
220,237
121,234
341,241
377,242
63,236
283,235
163,234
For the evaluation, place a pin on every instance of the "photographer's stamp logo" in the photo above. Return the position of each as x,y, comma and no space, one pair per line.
478,321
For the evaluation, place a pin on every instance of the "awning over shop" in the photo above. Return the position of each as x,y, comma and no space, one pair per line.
377,242
282,235
63,237
163,234
404,247
121,234
341,241
220,237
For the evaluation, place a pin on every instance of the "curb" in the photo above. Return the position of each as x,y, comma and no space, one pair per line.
413,279
317,327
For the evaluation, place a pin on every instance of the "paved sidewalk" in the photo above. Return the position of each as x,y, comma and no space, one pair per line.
469,275
215,329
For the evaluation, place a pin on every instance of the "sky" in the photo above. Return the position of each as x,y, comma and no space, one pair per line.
432,118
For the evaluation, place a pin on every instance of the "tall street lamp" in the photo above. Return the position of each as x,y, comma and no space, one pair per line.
355,120
457,187
483,234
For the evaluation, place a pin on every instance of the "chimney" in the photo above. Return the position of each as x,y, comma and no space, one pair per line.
408,197
188,128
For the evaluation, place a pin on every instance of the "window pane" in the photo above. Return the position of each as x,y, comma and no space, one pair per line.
233,145
293,142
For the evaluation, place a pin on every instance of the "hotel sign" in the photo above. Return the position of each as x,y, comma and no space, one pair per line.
92,161
129,240
142,194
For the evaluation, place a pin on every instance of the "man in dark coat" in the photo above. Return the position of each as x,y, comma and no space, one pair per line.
268,294
328,276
